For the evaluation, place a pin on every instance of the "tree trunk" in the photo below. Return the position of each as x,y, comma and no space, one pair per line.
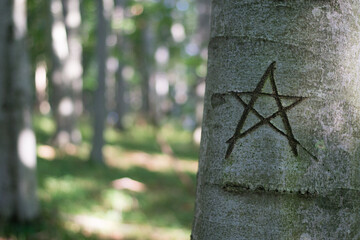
201,39
120,98
280,153
73,67
143,54
66,70
121,48
99,105
18,198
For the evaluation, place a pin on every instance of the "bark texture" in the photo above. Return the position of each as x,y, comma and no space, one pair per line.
17,141
280,143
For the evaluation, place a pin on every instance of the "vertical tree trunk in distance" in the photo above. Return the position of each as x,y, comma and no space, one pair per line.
99,106
201,39
280,152
120,82
120,98
111,65
66,70
17,141
144,59
73,67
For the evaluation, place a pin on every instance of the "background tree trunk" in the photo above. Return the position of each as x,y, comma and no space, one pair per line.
74,69
17,141
144,59
201,39
66,70
289,72
120,98
100,104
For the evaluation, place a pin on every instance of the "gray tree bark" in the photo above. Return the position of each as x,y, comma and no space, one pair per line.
17,141
96,154
280,150
66,70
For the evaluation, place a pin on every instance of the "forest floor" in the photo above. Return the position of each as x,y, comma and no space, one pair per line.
141,193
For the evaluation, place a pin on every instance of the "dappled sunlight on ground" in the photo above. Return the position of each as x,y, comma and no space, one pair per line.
129,184
46,152
140,194
141,200
152,162
110,229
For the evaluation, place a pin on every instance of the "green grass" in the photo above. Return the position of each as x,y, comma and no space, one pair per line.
78,200
142,138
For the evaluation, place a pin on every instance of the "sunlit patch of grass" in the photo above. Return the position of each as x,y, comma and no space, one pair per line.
69,193
108,229
118,200
153,162
46,152
148,232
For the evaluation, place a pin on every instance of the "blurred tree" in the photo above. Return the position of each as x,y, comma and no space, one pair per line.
39,42
121,45
17,142
103,15
39,27
66,70
201,40
121,107
144,52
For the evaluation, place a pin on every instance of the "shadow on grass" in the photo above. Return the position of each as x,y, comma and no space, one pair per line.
47,226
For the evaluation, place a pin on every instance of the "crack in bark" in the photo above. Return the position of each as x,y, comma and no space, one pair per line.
232,187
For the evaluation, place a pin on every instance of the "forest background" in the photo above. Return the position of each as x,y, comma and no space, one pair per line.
117,93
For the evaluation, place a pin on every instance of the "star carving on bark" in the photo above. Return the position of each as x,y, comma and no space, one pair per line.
281,112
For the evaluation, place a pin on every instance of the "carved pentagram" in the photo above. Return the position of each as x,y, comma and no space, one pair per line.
281,112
